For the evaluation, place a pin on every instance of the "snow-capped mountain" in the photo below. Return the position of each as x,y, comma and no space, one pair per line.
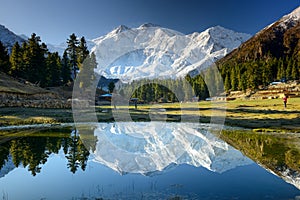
148,148
60,48
151,51
285,22
279,39
8,38
290,19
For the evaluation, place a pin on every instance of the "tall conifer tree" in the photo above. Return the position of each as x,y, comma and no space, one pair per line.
16,58
66,68
82,52
72,53
4,59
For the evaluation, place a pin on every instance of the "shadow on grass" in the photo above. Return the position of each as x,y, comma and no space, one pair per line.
240,120
260,111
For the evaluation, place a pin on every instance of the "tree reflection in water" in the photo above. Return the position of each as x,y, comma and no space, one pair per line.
77,155
33,150
277,152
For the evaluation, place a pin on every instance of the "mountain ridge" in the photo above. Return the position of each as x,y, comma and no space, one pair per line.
8,38
155,51
151,51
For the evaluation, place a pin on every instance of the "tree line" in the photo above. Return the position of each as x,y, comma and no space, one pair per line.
254,73
229,76
207,83
33,62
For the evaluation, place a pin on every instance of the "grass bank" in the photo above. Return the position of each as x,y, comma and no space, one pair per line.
266,115
21,116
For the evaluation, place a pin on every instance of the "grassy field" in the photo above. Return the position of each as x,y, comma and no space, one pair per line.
267,115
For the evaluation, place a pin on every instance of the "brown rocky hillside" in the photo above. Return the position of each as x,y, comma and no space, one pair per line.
279,39
20,93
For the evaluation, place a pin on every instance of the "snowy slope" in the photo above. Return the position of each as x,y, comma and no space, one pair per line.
8,38
151,51
148,148
292,17
285,22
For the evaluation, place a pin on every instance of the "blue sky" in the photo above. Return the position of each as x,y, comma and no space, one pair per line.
55,20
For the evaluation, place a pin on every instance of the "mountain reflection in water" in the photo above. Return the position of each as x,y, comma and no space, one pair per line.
146,148
153,160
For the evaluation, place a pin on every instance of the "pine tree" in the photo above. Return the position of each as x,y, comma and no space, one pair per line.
281,74
82,52
111,87
4,59
72,54
266,73
25,61
16,58
253,76
227,83
34,61
87,71
295,72
66,68
187,89
289,63
234,79
243,82
53,65
42,69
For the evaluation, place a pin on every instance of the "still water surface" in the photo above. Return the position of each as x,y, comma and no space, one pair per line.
140,161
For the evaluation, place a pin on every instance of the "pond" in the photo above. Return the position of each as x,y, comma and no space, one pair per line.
147,160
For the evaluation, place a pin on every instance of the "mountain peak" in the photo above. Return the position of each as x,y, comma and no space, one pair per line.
8,38
294,15
290,20
121,29
147,25
158,52
4,29
296,12
218,28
